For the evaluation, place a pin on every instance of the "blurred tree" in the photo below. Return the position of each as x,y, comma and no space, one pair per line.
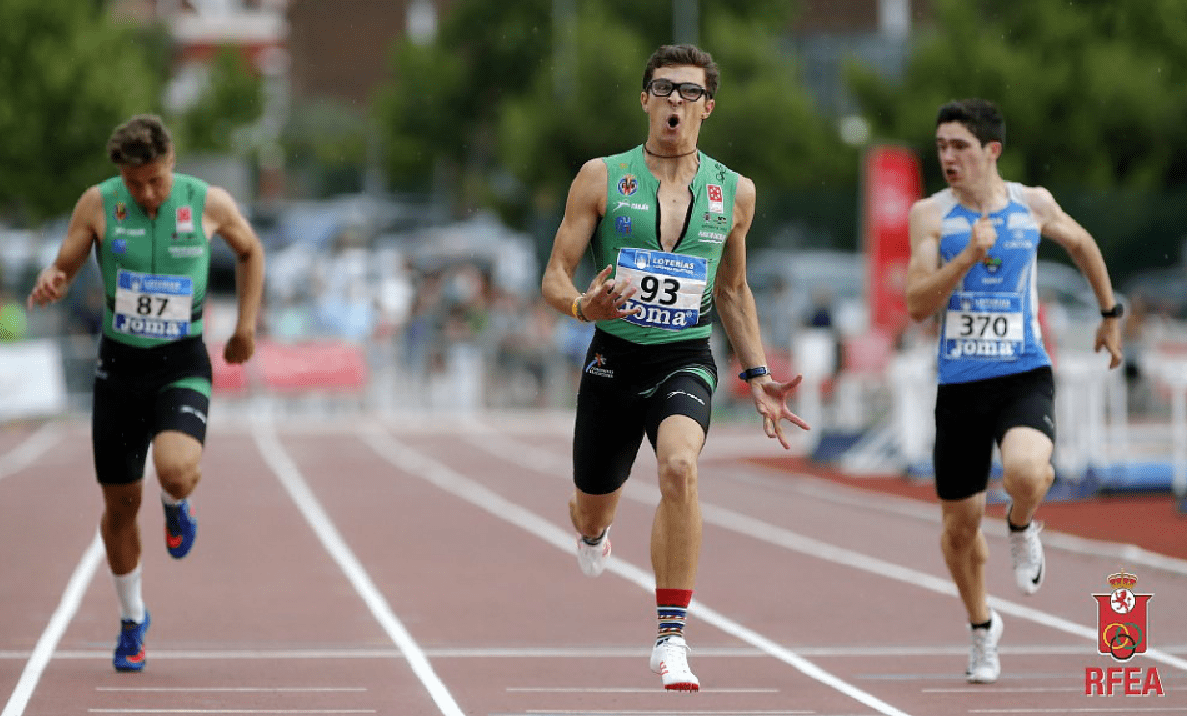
69,76
233,99
511,99
1093,93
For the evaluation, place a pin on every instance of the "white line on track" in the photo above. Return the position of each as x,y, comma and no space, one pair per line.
234,689
32,448
1085,710
419,465
621,690
58,622
202,712
290,477
549,463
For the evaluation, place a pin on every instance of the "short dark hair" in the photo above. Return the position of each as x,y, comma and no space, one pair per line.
671,55
140,140
979,116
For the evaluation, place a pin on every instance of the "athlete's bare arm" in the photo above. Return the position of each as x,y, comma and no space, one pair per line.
739,316
85,227
585,206
731,292
223,217
1056,224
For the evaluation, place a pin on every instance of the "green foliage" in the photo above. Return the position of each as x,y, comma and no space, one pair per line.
233,98
70,76
1093,93
511,99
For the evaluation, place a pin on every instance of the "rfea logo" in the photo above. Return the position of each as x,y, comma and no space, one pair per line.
1123,631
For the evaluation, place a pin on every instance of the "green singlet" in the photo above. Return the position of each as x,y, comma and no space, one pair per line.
154,270
675,289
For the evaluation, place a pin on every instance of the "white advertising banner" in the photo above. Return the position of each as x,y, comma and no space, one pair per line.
31,380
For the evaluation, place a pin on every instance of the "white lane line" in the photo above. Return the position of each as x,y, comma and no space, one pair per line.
33,447
550,464
1127,709
288,474
854,496
231,711
621,690
419,465
545,652
234,689
44,650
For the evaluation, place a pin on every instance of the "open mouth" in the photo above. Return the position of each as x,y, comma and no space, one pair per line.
673,121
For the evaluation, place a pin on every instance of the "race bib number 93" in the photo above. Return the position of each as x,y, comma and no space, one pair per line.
669,286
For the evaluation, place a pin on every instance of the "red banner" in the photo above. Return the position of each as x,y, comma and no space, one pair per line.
892,183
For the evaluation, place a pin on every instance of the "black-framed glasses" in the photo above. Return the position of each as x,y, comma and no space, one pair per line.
690,91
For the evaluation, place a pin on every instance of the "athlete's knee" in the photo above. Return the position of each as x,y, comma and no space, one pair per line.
960,531
678,477
178,475
1025,474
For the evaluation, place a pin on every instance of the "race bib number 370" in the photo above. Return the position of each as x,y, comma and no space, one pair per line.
153,306
669,287
984,326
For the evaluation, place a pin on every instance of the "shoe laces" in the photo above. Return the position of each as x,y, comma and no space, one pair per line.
128,629
675,654
1024,545
982,646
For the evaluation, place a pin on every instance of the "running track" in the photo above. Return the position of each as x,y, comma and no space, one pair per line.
424,565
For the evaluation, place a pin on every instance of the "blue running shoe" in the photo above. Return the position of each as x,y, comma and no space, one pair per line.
129,652
180,528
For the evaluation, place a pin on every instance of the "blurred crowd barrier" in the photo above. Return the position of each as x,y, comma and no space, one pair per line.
366,332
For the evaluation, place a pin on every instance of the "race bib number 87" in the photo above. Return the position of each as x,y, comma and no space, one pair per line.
153,306
669,286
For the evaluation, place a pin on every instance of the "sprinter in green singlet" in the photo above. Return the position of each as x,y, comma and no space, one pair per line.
669,225
151,231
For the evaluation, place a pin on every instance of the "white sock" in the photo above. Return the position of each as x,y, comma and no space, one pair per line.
127,591
168,499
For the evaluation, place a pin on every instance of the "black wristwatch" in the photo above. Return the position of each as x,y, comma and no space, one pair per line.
1114,312
754,372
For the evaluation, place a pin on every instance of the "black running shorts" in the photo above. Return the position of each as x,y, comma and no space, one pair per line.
626,391
137,396
971,417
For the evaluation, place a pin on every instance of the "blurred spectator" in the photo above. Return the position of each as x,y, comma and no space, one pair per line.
821,313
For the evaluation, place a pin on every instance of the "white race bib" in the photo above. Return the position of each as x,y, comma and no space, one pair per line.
669,287
984,326
153,306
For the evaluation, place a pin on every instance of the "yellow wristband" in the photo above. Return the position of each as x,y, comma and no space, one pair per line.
575,309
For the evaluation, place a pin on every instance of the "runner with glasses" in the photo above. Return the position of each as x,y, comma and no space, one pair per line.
668,224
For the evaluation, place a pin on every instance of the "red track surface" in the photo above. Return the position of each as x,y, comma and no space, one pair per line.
425,566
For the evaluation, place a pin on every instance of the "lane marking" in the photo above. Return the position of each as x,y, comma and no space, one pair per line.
290,477
232,711
67,607
1128,710
622,690
544,652
416,464
548,463
853,496
234,689
33,447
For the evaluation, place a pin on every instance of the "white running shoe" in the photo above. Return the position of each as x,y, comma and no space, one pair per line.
669,659
592,558
984,666
1026,551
